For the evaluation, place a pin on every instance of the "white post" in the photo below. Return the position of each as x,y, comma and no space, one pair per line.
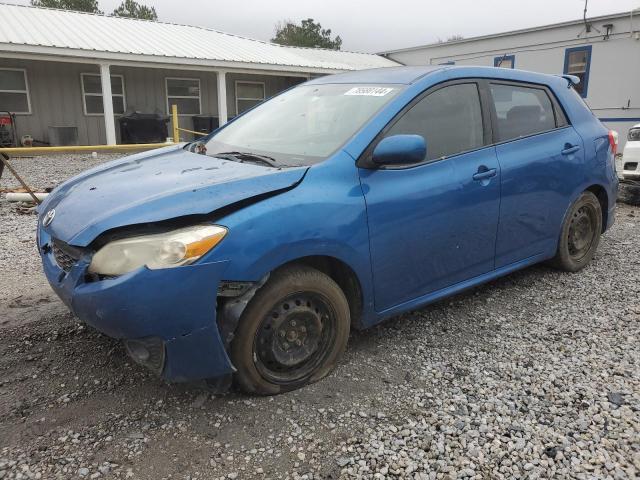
107,103
222,97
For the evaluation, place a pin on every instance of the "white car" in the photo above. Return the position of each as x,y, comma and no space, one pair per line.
631,154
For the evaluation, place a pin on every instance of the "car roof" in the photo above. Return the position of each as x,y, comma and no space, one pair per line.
413,74
402,75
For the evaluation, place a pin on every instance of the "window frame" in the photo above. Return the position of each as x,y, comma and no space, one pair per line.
502,58
249,82
26,86
489,119
365,161
89,94
167,96
587,69
561,120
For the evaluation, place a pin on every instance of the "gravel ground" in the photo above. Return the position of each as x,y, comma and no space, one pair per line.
535,375
22,284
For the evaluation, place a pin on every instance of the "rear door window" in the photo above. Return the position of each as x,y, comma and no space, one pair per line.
521,111
449,119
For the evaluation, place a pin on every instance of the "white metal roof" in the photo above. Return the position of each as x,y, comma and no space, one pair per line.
30,30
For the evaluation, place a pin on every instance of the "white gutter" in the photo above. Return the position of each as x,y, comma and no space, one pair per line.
536,47
10,50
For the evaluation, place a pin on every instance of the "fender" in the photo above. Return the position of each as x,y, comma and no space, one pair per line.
325,216
574,197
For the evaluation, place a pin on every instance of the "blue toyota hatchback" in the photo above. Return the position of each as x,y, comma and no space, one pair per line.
334,205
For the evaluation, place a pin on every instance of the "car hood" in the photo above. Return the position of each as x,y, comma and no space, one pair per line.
155,186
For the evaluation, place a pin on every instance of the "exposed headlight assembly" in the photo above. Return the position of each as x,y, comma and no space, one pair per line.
162,250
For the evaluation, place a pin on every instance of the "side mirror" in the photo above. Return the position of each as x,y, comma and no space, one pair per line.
400,150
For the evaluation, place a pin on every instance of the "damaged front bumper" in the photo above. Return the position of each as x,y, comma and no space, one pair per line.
170,312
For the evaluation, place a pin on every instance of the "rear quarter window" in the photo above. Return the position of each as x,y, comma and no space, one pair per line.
521,111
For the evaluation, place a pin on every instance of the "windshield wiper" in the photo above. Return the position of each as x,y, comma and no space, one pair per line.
248,156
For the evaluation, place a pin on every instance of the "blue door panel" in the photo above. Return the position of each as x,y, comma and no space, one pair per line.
537,184
431,226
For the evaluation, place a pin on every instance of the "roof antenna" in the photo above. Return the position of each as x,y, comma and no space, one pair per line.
587,24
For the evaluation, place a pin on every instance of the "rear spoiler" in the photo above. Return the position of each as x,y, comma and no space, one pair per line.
571,80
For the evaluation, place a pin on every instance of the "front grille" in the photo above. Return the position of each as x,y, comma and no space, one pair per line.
64,260
631,165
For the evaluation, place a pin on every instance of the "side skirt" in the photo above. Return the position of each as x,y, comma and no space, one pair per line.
456,288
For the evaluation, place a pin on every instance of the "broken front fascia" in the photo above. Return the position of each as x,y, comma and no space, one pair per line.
231,306
138,305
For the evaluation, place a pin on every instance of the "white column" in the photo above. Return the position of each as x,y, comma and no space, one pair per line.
107,103
222,97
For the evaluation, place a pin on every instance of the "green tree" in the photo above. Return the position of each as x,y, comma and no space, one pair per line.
90,6
133,9
308,34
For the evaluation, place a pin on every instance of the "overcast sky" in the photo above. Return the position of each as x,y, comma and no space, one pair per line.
376,25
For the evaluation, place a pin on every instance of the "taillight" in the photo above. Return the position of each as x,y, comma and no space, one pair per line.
613,141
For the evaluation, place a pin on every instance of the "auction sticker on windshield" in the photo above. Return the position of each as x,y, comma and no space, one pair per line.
369,91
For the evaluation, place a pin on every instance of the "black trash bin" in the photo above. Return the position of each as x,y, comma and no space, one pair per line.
205,123
143,128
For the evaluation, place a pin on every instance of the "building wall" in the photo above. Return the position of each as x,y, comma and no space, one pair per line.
272,86
56,100
146,92
614,88
56,96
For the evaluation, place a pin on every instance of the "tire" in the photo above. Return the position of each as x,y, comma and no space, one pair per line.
629,192
580,234
292,332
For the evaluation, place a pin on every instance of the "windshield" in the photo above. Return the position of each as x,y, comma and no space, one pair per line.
302,126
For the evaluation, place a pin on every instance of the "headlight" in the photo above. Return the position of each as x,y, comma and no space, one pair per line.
163,250
634,134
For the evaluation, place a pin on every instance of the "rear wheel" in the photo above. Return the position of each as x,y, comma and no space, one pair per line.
292,332
580,234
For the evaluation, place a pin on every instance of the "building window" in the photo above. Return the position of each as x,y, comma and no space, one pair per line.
577,61
92,94
185,93
505,61
14,91
248,95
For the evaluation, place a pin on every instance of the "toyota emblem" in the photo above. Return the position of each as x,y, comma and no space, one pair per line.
48,218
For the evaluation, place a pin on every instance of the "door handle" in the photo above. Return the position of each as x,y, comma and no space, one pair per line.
483,175
569,149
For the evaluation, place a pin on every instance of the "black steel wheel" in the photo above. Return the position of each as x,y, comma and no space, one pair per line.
580,234
295,337
292,332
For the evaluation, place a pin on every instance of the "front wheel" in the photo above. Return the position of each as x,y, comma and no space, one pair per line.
580,234
292,333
